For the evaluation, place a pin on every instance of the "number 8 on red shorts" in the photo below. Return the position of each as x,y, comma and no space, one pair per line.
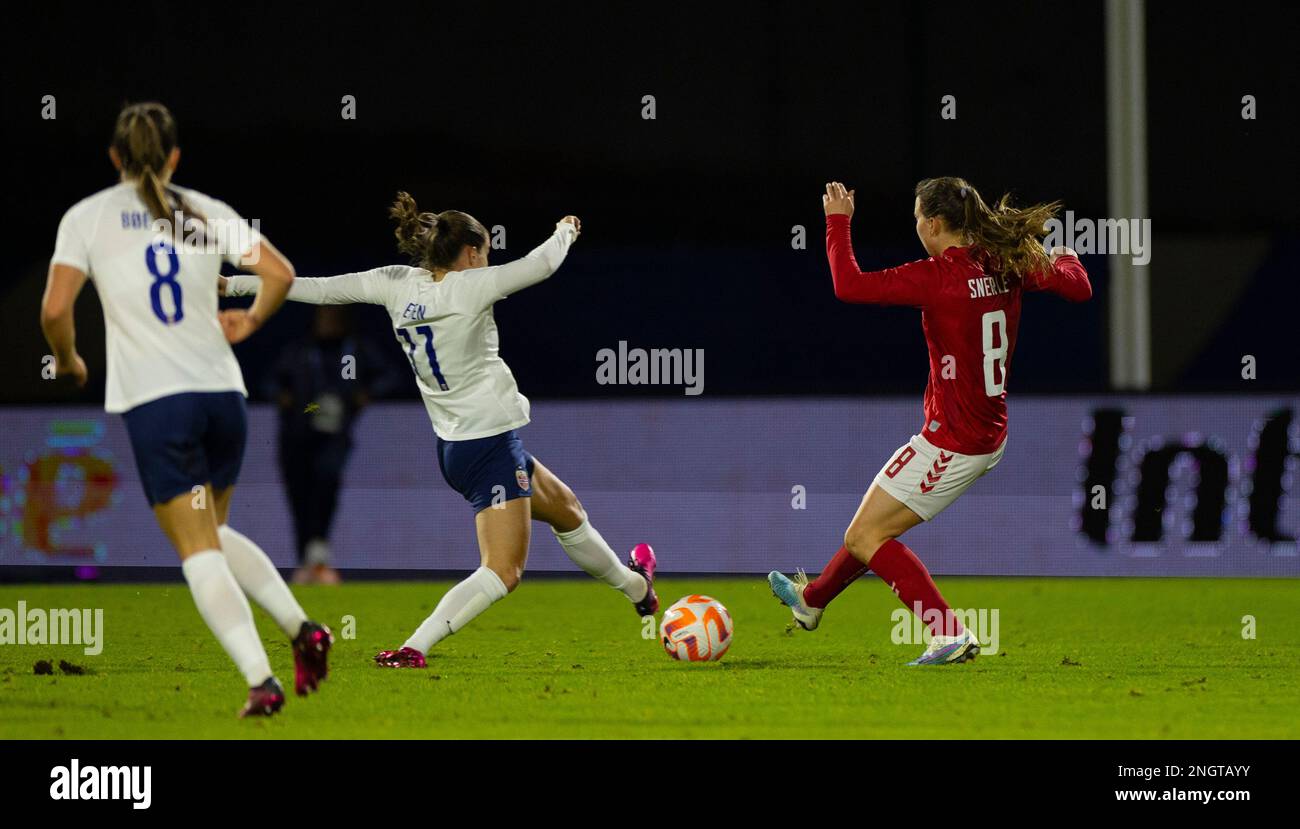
927,479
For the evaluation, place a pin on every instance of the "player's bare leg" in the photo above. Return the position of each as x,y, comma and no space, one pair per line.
262,583
503,535
880,517
504,531
190,522
555,504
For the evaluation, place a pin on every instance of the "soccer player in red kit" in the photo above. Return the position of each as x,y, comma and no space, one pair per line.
981,260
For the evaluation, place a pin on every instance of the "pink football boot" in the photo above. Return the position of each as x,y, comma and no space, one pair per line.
400,658
642,560
311,648
264,700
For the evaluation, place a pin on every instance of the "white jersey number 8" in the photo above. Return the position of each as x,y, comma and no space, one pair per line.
995,356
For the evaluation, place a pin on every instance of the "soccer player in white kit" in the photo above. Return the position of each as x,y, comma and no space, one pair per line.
441,312
154,251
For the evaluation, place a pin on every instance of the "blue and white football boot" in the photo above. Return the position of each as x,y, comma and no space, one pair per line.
791,595
949,650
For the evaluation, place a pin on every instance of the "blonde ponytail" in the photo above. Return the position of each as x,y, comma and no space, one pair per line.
144,138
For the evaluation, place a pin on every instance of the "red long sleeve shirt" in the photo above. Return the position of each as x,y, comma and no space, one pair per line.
970,319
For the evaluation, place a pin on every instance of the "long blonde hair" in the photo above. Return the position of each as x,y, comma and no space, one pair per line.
1008,239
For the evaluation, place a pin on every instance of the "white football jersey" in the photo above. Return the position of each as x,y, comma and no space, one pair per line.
446,329
159,295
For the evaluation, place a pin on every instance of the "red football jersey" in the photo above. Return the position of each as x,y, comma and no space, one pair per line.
970,318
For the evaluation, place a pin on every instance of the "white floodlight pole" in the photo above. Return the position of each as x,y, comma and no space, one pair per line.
1126,145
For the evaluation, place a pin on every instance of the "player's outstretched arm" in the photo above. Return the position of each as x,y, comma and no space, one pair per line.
903,285
345,289
537,265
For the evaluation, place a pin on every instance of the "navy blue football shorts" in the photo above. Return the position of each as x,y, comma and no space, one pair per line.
183,440
487,470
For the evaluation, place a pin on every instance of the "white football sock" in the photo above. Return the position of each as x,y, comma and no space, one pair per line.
223,606
461,604
590,552
258,578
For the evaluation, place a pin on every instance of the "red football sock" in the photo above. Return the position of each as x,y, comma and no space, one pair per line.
842,571
899,568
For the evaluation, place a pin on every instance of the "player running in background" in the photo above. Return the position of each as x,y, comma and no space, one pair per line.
154,251
982,259
441,312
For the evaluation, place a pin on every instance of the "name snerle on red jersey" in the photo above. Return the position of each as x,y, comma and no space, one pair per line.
970,319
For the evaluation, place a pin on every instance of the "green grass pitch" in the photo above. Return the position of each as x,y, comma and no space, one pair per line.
1116,658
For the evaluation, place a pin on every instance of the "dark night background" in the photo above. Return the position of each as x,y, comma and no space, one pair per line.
521,115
